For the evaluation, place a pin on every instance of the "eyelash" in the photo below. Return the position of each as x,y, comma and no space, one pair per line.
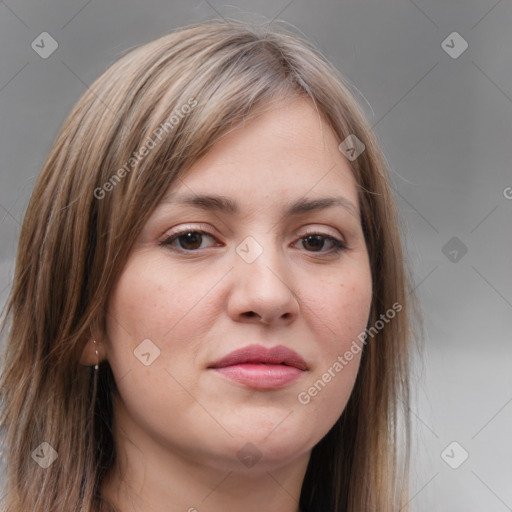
338,245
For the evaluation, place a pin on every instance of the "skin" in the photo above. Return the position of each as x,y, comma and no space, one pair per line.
178,425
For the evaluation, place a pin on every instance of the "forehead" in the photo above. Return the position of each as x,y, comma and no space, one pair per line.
287,151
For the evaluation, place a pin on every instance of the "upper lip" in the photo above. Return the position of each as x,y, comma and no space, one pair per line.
259,354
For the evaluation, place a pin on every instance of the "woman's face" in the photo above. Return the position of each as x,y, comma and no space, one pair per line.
258,250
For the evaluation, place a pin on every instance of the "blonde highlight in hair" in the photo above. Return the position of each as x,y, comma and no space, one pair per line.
73,246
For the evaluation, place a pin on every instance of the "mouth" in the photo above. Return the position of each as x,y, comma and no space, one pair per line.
259,367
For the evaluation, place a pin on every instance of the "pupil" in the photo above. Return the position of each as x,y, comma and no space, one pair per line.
191,240
314,241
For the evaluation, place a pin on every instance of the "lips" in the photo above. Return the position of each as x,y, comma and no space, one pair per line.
260,367
257,354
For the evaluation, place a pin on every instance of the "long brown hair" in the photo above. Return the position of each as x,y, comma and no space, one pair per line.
96,191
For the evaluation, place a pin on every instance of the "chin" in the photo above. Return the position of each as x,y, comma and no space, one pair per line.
253,451
254,459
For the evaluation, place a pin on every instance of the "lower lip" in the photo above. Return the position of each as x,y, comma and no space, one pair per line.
261,376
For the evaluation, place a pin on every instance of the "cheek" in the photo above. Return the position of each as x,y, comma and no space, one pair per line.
151,302
339,311
153,310
353,307
154,300
342,304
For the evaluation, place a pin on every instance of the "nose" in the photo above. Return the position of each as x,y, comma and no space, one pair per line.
262,291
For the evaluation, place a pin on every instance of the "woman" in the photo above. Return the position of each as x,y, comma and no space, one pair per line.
210,309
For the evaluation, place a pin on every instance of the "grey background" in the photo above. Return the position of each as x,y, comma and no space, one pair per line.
445,125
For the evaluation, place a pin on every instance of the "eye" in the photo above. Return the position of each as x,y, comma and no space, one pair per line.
192,240
187,240
316,242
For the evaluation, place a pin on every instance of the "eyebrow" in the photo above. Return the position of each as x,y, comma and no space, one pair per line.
225,204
